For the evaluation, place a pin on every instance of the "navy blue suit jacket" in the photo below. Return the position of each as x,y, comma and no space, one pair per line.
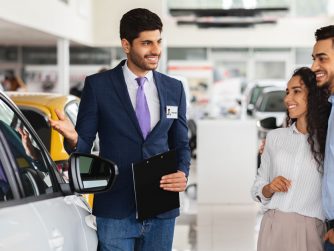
106,109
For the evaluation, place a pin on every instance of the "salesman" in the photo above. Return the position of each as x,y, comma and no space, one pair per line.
127,107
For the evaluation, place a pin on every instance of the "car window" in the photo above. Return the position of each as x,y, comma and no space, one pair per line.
71,110
32,168
257,90
273,102
40,124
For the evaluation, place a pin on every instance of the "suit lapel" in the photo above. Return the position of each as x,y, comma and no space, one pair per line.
162,98
117,79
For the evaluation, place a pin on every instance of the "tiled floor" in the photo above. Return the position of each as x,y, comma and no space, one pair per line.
215,227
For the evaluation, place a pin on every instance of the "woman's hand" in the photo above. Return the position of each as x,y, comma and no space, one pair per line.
279,184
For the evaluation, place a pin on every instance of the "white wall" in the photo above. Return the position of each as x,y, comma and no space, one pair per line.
226,160
108,14
73,21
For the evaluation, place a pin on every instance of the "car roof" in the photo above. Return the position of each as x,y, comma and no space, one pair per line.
273,89
51,100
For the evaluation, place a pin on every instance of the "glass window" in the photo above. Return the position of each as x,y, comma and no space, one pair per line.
269,69
39,55
71,110
255,93
8,54
40,124
187,53
273,102
32,167
90,56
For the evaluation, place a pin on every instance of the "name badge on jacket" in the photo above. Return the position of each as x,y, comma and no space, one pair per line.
171,112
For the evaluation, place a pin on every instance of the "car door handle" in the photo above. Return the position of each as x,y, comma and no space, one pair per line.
57,240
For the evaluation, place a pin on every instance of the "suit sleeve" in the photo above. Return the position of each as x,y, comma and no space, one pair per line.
87,121
178,135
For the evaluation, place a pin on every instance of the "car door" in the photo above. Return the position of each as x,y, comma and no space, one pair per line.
20,226
38,212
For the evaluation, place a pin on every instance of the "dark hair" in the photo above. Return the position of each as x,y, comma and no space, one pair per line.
318,110
325,33
137,20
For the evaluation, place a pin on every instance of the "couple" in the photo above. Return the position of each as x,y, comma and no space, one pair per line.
295,182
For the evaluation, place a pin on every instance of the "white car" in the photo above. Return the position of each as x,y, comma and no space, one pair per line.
271,104
255,88
38,210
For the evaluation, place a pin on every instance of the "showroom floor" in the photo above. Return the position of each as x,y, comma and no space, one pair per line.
215,227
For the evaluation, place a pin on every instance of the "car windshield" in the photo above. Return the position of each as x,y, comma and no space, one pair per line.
71,111
272,102
257,90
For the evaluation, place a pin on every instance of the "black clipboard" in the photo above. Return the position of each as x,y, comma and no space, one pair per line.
152,200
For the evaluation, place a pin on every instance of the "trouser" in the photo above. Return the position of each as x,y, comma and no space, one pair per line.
129,234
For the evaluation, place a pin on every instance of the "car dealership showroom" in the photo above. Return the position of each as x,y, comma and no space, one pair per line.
228,64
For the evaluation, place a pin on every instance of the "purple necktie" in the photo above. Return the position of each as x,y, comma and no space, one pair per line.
142,111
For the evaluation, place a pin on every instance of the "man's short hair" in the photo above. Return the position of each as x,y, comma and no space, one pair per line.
324,33
137,20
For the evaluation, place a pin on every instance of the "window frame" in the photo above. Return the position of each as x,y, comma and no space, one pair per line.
9,163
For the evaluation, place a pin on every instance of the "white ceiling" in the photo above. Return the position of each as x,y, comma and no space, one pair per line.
14,34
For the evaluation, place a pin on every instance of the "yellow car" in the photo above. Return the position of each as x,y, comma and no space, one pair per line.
38,107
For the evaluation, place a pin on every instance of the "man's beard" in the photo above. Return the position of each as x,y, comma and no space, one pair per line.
328,85
141,63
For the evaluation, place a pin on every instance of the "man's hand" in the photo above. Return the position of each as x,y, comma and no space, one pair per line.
64,126
175,182
261,146
329,236
279,184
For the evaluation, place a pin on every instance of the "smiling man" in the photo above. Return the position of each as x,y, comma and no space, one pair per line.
127,107
323,67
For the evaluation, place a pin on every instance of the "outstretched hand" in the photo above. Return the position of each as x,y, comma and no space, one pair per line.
65,127
175,182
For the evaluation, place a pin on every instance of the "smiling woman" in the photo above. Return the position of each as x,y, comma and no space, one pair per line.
288,183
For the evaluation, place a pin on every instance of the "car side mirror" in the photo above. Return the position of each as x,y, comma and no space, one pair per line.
91,174
268,123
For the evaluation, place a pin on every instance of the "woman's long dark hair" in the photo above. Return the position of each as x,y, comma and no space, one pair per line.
318,110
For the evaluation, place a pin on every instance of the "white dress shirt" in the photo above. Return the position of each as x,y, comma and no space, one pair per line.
287,153
150,90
